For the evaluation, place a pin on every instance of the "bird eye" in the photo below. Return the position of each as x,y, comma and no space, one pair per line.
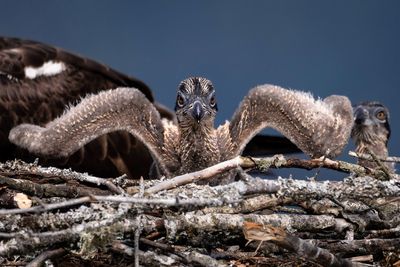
381,115
180,101
212,101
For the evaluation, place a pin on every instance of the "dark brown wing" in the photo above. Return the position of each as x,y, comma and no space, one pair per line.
17,54
38,97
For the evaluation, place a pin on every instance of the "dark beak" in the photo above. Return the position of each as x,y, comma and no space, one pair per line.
360,116
197,111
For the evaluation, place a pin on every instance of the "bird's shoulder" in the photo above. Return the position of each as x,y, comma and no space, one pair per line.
225,142
171,143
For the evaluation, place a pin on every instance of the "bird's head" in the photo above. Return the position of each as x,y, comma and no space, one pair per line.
196,104
371,123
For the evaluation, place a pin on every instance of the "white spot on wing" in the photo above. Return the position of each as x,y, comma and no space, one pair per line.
13,50
49,68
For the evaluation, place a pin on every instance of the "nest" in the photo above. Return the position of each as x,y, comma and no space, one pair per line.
63,218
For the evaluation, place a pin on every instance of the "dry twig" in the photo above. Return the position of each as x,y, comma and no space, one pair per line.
369,157
331,215
263,164
255,231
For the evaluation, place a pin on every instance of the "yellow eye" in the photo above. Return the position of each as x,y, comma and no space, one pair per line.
180,101
381,115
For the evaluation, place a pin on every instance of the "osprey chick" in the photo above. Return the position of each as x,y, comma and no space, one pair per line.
319,128
371,132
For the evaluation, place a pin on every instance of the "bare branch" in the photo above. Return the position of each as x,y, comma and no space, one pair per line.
23,242
191,223
263,164
362,246
19,168
49,190
47,207
196,176
121,199
222,222
45,255
256,231
369,157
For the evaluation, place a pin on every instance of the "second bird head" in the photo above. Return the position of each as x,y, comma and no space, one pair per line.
371,122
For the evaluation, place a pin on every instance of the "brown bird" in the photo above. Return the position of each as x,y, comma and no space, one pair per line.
319,128
38,81
371,132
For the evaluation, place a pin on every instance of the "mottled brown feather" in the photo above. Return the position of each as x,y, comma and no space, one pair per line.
40,100
109,111
319,128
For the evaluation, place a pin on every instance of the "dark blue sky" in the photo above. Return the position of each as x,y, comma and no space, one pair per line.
326,47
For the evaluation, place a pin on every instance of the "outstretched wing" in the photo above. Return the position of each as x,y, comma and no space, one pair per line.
120,109
38,81
317,127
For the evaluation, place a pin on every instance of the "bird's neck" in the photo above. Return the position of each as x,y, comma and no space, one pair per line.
198,147
378,148
368,139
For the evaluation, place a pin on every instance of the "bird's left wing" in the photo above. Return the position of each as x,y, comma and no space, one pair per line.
109,111
38,81
317,127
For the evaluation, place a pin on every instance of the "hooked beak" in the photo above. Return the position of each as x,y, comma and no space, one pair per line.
197,111
361,117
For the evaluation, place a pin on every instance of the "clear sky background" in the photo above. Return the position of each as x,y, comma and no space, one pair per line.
325,47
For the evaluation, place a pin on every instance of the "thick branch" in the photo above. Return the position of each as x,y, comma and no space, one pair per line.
45,255
233,222
260,232
360,247
50,190
263,164
20,168
176,202
23,242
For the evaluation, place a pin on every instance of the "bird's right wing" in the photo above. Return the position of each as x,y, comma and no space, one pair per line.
120,109
317,127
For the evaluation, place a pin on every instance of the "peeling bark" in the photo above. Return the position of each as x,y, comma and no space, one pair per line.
179,222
